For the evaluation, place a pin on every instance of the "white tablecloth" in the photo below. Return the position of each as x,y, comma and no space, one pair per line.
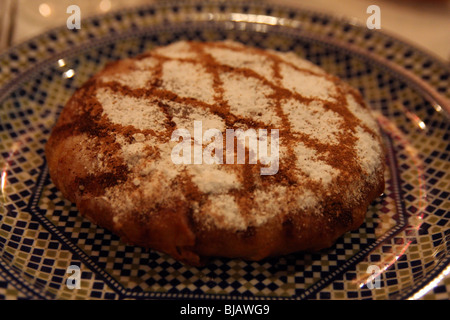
422,22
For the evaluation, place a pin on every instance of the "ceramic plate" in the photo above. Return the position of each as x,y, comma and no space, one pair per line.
400,252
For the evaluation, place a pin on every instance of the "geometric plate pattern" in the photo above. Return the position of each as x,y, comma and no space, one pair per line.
405,236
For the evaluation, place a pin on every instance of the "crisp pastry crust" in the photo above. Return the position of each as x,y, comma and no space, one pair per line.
110,153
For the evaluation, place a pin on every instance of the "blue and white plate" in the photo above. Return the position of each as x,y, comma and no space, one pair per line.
401,251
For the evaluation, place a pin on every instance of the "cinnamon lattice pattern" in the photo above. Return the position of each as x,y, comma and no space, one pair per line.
36,224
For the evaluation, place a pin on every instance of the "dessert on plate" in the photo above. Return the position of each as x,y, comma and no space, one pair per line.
145,148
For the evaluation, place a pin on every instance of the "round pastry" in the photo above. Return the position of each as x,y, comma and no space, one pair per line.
216,149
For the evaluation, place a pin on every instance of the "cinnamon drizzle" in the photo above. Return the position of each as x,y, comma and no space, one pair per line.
341,156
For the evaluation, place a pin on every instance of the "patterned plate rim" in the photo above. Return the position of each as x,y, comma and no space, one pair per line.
430,94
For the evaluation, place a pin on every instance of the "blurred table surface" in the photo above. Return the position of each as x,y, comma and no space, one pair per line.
424,23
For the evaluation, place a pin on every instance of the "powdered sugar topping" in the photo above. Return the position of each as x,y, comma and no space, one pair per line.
245,88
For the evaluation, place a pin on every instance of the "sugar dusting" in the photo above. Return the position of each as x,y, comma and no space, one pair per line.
130,111
308,85
313,119
214,178
260,65
315,169
134,79
368,149
188,80
247,97
222,210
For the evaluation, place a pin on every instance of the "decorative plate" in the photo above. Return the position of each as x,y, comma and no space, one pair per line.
401,251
